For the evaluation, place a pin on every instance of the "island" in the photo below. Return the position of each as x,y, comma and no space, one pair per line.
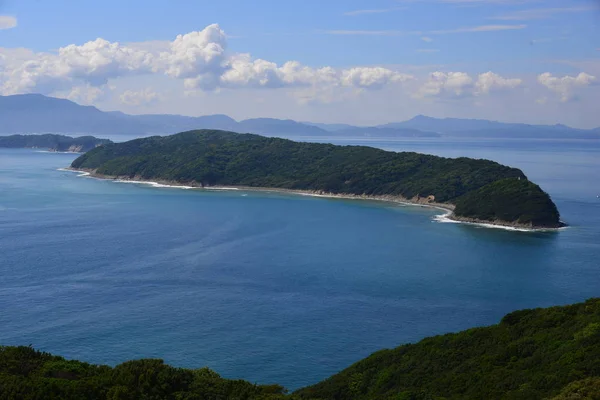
551,353
52,142
471,190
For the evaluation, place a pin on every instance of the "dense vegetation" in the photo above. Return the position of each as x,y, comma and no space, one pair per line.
27,374
531,354
551,353
52,142
512,199
211,158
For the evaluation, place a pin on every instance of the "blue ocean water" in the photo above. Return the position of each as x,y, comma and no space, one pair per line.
270,287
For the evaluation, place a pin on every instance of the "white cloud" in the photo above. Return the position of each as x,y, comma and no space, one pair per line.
347,32
244,72
566,86
440,83
372,77
541,13
490,81
481,28
428,50
426,39
200,59
7,22
92,63
86,94
461,84
136,98
100,60
198,55
372,11
468,29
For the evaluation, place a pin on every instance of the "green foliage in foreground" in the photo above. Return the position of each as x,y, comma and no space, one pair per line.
27,374
52,142
551,353
211,158
531,354
509,200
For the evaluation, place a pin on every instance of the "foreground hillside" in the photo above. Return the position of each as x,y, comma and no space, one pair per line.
52,142
219,158
551,353
531,354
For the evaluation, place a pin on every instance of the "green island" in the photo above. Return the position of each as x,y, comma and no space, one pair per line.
52,142
477,190
547,353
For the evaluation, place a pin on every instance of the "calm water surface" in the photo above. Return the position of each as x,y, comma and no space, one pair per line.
269,287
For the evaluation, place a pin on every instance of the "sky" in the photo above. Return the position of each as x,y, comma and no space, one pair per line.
362,62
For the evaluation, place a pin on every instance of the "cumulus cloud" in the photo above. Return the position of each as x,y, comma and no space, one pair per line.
86,94
92,63
136,98
490,81
200,59
461,84
196,55
566,86
370,78
439,83
7,22
245,72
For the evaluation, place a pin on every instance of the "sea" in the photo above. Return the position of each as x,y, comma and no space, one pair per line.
271,287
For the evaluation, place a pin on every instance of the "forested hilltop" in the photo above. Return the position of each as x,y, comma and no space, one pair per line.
52,142
551,353
219,158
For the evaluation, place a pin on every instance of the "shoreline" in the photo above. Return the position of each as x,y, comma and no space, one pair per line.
447,217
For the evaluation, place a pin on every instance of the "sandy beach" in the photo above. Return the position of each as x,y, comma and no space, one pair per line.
446,217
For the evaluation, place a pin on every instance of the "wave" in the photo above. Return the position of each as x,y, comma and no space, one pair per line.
79,173
155,184
219,188
57,152
445,219
441,218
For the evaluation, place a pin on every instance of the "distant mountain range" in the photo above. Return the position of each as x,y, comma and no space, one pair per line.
35,113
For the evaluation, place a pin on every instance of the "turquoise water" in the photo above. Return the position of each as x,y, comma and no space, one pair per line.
270,287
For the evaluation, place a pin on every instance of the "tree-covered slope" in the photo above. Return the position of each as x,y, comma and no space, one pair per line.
531,354
209,158
551,353
27,374
510,199
52,142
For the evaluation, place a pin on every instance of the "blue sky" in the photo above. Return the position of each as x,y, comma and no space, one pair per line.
357,61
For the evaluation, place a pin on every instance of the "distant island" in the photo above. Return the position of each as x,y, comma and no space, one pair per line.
52,142
35,113
473,190
551,353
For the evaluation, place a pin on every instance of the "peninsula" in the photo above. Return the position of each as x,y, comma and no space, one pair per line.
551,353
52,142
473,190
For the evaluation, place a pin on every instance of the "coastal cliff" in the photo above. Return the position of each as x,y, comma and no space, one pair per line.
52,142
480,190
